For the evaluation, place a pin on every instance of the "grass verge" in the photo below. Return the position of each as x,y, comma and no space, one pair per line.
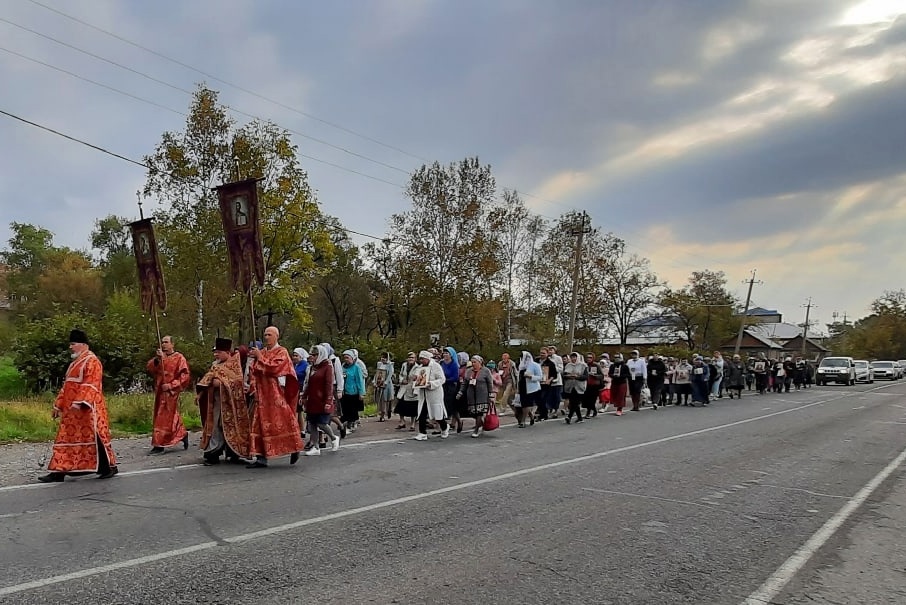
29,419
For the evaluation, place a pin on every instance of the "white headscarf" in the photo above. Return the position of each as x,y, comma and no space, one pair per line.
301,352
351,353
525,360
327,348
425,355
320,354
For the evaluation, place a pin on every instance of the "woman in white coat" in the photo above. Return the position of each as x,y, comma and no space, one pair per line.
429,386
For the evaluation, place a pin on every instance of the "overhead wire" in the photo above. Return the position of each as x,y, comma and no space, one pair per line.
228,83
182,113
147,166
241,112
232,85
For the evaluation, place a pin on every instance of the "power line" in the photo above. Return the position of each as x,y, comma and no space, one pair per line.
265,98
190,93
182,113
227,83
241,112
252,116
323,223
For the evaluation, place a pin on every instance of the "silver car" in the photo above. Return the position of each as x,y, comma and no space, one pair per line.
863,371
885,369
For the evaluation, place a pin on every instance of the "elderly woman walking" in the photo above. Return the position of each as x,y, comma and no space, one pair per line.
529,389
477,386
353,400
383,386
575,379
319,403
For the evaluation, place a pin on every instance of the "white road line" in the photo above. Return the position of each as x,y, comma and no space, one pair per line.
278,529
358,444
786,572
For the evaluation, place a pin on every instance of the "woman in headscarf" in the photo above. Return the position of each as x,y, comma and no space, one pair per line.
318,400
300,362
353,400
383,386
459,409
475,391
406,398
575,377
529,389
449,363
593,386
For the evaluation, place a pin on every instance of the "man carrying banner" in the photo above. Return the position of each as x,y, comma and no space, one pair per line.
221,396
171,377
82,444
275,390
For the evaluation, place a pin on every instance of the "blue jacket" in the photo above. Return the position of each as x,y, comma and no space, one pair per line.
354,382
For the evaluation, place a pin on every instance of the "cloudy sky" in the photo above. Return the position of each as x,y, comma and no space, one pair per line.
720,134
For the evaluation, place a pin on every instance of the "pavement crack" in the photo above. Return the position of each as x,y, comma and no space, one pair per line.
203,525
556,572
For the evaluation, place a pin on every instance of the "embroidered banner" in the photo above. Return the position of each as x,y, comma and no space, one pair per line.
150,276
239,212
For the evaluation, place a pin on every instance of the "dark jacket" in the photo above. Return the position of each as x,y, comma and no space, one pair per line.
657,372
618,372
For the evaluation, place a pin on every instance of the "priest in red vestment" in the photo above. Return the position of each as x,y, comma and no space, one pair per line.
221,396
275,391
82,444
171,377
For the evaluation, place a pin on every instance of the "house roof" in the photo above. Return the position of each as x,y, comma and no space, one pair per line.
755,311
779,331
797,343
643,341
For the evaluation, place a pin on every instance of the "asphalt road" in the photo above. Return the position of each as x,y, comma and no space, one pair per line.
681,505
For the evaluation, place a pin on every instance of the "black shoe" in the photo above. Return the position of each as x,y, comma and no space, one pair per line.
578,420
52,477
110,473
155,451
567,421
185,441
211,461
342,432
521,425
532,421
256,464
294,457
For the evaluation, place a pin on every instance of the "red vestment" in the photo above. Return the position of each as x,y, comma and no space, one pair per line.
83,418
275,427
234,412
174,371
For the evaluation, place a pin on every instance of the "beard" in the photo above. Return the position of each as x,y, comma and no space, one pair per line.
73,355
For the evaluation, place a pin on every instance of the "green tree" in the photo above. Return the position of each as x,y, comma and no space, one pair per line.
704,309
184,168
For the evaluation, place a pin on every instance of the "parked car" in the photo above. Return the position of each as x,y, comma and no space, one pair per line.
863,371
885,369
841,370
901,369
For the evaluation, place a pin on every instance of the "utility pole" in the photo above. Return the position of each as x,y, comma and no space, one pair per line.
808,308
580,234
742,324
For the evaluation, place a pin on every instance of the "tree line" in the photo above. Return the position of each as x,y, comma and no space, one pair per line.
466,261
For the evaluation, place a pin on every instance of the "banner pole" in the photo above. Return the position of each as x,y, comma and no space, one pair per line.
254,327
156,320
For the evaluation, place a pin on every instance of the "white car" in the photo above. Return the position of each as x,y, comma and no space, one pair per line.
863,371
885,369
901,369
836,369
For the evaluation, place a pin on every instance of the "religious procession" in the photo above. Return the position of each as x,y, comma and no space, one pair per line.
259,402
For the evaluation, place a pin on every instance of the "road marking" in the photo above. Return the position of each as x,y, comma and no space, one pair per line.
786,572
279,529
358,444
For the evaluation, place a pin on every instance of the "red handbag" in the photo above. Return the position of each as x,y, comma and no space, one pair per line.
491,419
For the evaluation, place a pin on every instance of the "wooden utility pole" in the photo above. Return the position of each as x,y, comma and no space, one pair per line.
742,324
808,308
580,233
